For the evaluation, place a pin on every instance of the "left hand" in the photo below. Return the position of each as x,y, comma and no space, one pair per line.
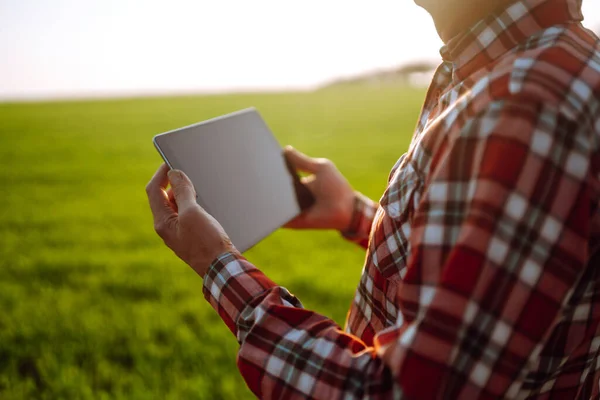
334,197
186,228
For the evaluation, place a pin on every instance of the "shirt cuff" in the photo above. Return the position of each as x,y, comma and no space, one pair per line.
232,285
362,219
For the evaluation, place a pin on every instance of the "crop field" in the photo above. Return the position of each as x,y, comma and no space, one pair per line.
93,306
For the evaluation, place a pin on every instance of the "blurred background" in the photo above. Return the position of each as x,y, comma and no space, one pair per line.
93,305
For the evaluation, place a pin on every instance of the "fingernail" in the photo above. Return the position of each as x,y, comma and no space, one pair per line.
174,176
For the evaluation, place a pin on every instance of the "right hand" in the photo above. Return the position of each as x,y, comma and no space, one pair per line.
334,197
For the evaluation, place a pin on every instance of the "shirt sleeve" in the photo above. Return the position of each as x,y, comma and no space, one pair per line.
499,241
362,219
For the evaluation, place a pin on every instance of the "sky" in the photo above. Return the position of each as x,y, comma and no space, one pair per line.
85,48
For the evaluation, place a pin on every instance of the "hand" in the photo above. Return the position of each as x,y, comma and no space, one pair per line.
195,236
334,197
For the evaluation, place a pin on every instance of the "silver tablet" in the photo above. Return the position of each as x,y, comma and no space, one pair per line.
239,172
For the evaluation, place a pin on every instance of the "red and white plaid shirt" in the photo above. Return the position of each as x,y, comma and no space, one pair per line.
482,276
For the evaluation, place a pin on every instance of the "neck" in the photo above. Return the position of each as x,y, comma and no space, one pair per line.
450,19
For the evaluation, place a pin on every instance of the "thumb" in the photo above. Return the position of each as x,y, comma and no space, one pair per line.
301,161
183,189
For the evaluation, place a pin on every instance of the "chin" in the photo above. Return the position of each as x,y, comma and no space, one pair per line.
424,3
429,5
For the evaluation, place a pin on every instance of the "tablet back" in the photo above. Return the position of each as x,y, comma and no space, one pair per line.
239,173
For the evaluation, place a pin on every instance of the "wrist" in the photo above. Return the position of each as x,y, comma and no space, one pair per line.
362,216
202,266
220,259
352,218
345,212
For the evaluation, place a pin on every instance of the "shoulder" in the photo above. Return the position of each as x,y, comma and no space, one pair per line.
552,78
559,67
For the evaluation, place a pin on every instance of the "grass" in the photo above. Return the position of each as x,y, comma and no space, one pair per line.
93,305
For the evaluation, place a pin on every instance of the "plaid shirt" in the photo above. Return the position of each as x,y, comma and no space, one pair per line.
482,276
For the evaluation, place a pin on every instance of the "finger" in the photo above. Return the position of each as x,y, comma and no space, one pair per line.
183,190
306,220
297,223
157,197
301,161
171,198
308,181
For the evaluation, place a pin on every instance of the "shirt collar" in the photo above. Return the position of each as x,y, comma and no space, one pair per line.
502,30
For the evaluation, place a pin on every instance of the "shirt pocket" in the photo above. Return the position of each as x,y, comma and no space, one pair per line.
391,247
403,193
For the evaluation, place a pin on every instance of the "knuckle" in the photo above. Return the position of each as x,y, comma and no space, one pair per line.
325,163
181,190
176,191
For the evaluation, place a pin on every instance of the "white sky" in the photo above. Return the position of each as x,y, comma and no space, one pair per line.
57,48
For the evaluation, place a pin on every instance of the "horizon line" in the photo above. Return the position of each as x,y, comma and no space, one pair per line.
95,94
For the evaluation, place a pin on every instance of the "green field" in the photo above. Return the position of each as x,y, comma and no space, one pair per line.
93,305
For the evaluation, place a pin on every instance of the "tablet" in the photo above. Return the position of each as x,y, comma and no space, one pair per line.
239,172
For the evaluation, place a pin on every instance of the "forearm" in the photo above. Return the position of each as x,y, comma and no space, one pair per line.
233,283
285,350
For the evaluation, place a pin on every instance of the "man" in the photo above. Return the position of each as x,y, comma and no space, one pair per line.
482,276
